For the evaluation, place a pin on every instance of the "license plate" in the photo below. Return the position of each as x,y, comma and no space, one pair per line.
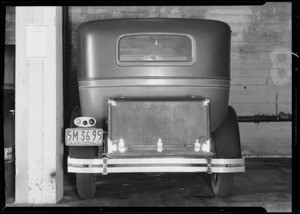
84,137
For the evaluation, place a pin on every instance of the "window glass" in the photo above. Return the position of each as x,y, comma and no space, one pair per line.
155,47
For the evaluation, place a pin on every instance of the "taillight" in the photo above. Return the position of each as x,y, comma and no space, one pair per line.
92,121
84,121
77,121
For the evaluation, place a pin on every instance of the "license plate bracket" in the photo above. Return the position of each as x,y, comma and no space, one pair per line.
84,137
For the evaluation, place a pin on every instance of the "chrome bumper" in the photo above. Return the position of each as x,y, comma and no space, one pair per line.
132,165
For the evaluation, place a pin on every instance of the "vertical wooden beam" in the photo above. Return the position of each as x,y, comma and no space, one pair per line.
39,105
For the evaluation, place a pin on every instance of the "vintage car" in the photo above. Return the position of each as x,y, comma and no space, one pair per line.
154,99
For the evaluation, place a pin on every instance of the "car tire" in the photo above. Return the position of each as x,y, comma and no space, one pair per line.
222,184
86,185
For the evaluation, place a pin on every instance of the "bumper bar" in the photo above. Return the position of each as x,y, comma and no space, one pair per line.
130,165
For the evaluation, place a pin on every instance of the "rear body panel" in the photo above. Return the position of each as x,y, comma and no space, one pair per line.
98,48
101,76
94,94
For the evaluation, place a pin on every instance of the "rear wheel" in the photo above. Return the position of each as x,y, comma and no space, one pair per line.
222,184
86,185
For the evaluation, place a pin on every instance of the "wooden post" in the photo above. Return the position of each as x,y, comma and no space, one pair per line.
39,105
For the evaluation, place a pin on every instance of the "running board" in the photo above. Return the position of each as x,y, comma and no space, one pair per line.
133,165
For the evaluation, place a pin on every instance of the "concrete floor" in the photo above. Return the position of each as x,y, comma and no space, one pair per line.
267,183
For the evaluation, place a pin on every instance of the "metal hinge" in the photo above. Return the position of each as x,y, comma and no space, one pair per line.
111,146
206,102
159,145
122,146
12,112
8,154
197,145
112,102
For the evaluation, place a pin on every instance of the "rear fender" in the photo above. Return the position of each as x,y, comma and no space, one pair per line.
227,137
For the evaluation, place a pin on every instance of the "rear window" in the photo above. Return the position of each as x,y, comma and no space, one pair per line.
155,48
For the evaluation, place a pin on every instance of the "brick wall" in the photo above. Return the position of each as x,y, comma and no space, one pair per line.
260,60
260,50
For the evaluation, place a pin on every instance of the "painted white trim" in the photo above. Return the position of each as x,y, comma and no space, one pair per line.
39,105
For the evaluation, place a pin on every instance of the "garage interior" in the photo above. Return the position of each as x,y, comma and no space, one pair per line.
37,106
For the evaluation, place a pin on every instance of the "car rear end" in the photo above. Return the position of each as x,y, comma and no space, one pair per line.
158,92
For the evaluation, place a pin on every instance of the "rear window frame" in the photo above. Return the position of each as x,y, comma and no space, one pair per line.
157,63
